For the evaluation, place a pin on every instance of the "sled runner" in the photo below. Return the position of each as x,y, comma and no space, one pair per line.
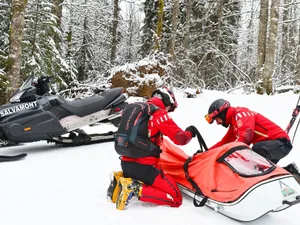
232,179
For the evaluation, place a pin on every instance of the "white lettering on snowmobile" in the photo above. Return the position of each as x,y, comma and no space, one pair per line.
18,108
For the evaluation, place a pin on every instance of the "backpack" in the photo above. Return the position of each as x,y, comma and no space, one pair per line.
132,139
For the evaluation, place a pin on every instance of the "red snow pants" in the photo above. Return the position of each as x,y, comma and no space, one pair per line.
158,188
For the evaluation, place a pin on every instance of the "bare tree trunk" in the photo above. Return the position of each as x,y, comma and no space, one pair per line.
292,37
15,46
262,34
83,52
67,76
174,28
130,32
114,42
159,24
297,71
270,67
285,35
186,37
219,23
250,31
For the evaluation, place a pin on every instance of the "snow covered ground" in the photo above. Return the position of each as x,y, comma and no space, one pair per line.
67,186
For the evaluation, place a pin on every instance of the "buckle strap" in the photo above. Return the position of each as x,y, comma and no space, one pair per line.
198,191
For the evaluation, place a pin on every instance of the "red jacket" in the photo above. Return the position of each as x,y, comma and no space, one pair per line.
159,124
249,127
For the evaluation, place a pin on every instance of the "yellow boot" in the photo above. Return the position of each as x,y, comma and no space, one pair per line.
114,189
128,189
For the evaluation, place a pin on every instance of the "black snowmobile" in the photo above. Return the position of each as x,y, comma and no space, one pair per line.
34,113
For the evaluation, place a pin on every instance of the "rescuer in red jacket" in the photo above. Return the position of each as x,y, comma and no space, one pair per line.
141,176
267,138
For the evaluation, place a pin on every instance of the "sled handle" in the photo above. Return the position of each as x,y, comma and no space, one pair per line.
290,203
200,140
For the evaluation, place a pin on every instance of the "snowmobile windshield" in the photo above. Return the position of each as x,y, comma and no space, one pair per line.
28,84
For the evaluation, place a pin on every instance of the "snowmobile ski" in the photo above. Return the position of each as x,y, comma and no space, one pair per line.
9,158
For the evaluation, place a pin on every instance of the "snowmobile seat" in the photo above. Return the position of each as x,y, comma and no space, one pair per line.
84,107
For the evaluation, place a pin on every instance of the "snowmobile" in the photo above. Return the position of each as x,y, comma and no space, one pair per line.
231,179
35,113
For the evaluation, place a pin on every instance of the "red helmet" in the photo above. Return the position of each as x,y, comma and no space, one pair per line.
167,96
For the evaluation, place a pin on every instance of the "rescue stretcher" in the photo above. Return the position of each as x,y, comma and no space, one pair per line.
232,179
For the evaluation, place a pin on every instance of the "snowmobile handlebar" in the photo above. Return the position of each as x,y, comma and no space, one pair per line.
46,79
42,84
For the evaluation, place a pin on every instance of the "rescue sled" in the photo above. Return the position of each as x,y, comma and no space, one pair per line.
232,179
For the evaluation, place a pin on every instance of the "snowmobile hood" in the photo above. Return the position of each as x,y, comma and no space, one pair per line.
5,106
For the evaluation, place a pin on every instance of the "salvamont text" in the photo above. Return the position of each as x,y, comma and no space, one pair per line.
18,108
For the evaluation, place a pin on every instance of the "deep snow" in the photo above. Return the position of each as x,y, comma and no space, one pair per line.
67,186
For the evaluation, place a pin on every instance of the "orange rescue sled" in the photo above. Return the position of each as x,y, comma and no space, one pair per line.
231,179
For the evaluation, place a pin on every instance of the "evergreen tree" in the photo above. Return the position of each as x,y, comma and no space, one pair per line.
40,54
5,10
149,28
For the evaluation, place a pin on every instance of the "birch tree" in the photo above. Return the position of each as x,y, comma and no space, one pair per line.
114,42
269,67
262,34
297,71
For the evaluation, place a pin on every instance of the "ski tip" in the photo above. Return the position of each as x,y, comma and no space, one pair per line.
9,158
23,155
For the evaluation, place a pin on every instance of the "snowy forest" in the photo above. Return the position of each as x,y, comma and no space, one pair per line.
216,45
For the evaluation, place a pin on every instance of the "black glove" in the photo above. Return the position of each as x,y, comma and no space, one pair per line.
191,129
